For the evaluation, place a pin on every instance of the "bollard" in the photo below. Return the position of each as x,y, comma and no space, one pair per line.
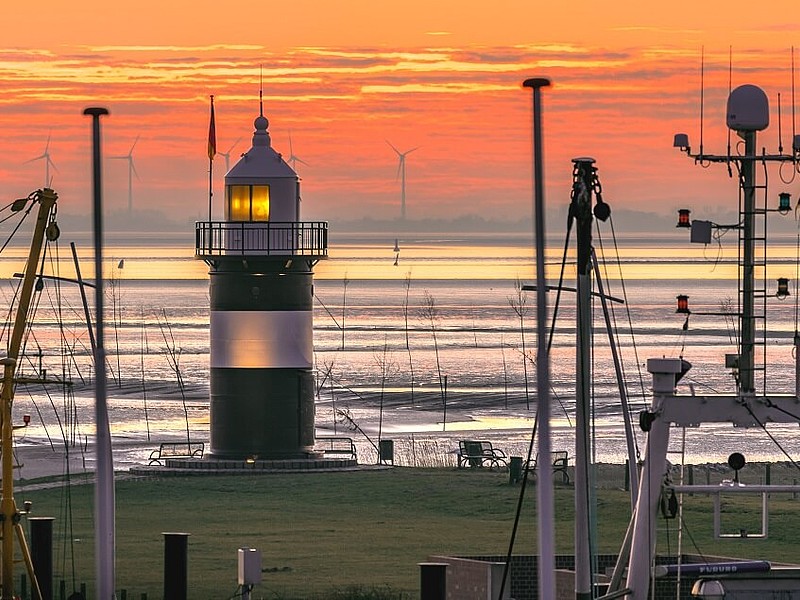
432,581
175,565
515,470
768,474
41,529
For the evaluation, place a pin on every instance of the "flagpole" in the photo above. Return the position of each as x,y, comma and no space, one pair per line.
212,150
210,192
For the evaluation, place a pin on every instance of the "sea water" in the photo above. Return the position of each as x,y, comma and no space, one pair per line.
437,342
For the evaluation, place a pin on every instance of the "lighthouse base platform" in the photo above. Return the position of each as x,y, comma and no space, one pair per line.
215,466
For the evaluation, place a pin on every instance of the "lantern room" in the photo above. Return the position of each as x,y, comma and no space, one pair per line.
262,187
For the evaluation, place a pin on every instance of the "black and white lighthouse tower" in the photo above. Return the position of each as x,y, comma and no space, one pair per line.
261,260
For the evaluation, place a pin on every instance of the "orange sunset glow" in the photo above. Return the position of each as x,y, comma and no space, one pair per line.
342,78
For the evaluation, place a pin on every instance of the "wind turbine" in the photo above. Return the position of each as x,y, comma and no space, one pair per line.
227,155
401,172
48,162
131,172
293,158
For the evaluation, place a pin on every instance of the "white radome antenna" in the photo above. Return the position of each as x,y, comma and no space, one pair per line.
401,172
131,172
48,162
293,158
227,155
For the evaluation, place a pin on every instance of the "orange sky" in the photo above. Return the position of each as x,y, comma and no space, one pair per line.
345,76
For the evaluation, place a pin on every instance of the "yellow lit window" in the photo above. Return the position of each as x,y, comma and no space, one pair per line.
248,203
238,203
260,203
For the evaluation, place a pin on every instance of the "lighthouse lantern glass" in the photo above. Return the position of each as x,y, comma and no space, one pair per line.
248,203
260,203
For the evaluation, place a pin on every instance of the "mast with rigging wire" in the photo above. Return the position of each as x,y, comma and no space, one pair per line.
10,516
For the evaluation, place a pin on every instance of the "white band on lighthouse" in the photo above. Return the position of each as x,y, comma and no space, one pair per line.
261,339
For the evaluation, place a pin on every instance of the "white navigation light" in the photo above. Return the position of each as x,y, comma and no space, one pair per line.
748,109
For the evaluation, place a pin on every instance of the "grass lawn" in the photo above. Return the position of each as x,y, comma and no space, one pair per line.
318,532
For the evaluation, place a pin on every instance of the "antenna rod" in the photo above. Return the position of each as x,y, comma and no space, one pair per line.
794,132
780,135
702,94
730,83
261,90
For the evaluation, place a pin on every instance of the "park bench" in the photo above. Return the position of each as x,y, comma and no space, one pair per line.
176,450
475,453
559,465
331,446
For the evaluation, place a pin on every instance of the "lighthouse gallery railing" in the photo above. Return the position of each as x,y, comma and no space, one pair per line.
248,238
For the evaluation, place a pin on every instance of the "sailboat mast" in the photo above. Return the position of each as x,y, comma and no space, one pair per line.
581,210
8,507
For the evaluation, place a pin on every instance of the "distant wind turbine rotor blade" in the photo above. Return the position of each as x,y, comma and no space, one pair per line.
240,139
407,152
133,168
52,164
30,160
393,148
134,145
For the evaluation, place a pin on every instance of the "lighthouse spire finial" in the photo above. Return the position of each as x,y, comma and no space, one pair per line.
261,135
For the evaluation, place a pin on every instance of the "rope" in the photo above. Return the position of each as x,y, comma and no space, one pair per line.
772,437
627,309
560,282
694,542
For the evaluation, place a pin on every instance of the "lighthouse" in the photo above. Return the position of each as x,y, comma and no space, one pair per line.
261,259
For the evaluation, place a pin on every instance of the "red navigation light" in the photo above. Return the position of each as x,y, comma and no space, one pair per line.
683,305
26,419
683,218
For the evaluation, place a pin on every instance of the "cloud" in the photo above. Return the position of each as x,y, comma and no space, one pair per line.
463,105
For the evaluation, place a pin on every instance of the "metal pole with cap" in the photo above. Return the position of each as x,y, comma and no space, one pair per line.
546,526
105,548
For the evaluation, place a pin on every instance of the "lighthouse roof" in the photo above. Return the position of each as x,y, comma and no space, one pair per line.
261,162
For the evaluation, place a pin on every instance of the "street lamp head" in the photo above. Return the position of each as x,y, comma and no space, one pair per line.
95,111
536,82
